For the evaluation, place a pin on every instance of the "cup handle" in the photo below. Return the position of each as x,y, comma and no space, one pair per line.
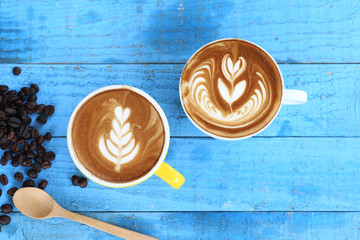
293,97
170,175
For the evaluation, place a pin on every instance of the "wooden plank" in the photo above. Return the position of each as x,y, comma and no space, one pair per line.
170,31
196,225
332,110
258,174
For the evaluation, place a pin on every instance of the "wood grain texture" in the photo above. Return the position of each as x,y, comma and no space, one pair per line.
112,31
258,174
196,225
332,110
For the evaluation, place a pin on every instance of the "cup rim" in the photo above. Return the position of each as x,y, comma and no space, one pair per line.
83,169
235,138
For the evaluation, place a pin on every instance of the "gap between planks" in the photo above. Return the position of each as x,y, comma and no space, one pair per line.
257,137
129,212
177,63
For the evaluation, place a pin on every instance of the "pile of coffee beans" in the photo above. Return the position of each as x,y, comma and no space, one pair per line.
22,142
79,181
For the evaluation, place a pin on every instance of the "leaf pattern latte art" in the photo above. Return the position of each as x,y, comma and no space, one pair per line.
120,147
231,89
231,72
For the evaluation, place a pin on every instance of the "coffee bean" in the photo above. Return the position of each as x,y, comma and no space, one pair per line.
29,111
4,88
49,110
36,167
22,96
31,173
3,115
33,145
43,184
26,146
38,159
27,121
10,111
40,151
14,122
47,136
5,220
14,148
34,88
26,91
3,179
40,108
32,98
26,163
49,156
30,154
6,145
8,155
4,161
6,208
41,119
29,183
11,135
0,192
46,165
18,102
18,176
83,182
31,105
75,180
40,139
16,71
3,124
23,130
13,98
5,99
20,158
3,140
34,133
12,191
15,162
11,92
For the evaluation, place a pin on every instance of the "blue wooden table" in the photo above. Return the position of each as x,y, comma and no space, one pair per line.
299,179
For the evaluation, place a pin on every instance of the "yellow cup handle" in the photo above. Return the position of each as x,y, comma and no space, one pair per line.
170,175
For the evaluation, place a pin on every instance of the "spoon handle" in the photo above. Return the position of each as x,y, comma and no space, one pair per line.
106,227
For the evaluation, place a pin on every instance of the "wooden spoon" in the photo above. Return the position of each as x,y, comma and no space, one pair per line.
36,203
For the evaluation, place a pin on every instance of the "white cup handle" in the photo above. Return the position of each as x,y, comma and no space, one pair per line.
293,97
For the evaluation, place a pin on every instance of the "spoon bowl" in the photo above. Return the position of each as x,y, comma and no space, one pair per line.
34,202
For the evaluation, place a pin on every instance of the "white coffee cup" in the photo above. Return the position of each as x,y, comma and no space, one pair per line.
289,96
161,169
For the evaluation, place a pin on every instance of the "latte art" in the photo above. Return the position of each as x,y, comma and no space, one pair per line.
230,91
118,135
120,146
227,88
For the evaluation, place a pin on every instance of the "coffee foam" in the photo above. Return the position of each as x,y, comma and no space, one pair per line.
231,89
118,135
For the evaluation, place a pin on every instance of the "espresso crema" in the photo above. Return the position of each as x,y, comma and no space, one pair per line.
118,135
231,88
